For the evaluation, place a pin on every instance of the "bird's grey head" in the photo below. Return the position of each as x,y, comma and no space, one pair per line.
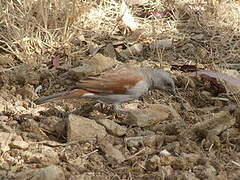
163,81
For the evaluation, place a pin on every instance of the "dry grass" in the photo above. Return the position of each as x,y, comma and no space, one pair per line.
202,31
34,27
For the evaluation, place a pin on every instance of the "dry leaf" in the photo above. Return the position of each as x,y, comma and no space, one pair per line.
135,50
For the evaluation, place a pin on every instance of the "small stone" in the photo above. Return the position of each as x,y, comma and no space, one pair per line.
153,163
94,66
81,128
112,127
131,106
112,152
165,153
6,128
151,115
19,144
134,50
109,51
134,141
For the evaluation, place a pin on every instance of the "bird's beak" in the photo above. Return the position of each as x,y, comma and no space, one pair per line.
173,92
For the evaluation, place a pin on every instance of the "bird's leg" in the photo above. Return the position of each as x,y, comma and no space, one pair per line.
100,106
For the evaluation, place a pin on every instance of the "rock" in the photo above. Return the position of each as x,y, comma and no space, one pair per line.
149,116
153,163
19,144
5,140
165,153
93,48
112,127
94,66
112,152
109,51
52,172
54,125
135,50
131,106
134,141
150,141
6,128
81,128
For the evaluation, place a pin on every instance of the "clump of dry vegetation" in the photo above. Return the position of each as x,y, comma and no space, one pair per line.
32,30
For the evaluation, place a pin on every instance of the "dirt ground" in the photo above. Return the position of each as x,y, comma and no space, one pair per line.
196,134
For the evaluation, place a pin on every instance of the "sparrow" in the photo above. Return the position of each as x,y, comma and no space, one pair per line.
120,86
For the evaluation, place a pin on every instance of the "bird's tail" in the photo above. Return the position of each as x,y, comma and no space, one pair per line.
76,93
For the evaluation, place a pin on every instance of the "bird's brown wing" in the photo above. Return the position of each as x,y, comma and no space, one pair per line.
112,83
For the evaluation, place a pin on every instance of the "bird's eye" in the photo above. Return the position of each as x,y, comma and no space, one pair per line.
168,84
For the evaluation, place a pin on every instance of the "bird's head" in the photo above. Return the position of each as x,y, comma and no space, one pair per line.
163,81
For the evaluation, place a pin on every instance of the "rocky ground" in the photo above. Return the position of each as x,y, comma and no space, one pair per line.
194,135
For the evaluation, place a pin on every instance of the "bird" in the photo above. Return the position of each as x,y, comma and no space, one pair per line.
117,87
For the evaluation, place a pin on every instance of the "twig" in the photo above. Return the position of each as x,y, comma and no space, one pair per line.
137,153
